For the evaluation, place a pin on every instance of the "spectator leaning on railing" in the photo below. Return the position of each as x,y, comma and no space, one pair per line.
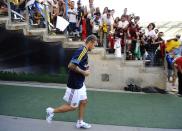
72,13
80,12
107,26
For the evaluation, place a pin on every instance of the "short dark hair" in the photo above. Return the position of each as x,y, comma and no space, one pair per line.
91,38
178,36
79,2
109,11
152,25
137,17
97,14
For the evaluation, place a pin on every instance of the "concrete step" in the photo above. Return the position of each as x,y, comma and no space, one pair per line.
154,69
113,57
72,44
4,19
38,37
34,31
98,50
2,25
16,26
134,63
54,38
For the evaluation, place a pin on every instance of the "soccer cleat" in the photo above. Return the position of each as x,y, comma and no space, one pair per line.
50,114
83,125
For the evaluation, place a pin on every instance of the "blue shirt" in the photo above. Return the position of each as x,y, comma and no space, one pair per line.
79,58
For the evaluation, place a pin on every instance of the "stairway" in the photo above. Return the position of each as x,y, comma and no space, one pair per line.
37,32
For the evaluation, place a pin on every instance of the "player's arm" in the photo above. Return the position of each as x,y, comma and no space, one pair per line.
75,61
75,68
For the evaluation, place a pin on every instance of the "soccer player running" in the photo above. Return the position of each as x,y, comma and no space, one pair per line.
76,95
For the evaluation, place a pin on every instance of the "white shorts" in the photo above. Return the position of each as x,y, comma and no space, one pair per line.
74,96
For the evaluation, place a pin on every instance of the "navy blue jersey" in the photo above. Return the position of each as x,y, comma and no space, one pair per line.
79,58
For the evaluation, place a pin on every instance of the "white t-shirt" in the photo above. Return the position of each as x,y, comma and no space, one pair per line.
72,15
104,16
151,33
96,24
108,21
123,24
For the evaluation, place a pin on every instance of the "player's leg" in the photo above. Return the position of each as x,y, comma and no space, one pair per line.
83,102
71,104
61,109
82,107
64,108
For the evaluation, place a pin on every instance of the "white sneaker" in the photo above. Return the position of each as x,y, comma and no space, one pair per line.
49,115
83,125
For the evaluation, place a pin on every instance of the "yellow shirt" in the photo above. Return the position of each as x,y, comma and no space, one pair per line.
172,45
16,2
105,27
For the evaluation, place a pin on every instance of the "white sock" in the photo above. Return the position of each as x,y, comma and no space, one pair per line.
80,121
51,110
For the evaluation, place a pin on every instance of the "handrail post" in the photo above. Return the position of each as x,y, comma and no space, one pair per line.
27,18
66,2
9,12
46,18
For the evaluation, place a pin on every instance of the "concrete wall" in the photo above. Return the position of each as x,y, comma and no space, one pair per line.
109,72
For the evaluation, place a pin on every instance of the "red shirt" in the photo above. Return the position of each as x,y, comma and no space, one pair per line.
132,32
84,30
111,40
179,62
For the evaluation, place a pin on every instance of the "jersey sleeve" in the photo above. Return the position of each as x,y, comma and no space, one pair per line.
77,57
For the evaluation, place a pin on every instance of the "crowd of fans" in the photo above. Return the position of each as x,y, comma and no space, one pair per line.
118,35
